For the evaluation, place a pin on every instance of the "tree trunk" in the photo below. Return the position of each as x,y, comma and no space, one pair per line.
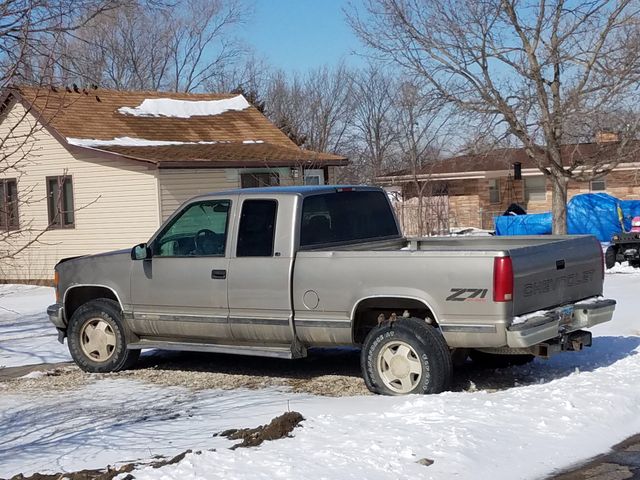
559,203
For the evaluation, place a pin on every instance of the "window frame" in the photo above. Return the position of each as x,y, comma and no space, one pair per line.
5,221
60,214
153,242
604,185
275,226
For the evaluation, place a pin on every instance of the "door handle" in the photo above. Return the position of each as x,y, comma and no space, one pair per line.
219,274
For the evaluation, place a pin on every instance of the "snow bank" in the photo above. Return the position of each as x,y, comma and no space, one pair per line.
573,406
168,107
26,335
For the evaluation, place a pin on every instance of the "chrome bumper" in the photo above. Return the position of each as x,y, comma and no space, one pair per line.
56,315
559,322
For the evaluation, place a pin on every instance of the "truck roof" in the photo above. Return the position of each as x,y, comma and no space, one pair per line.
292,190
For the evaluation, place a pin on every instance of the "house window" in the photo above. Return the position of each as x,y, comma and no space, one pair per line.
9,204
314,176
598,185
60,202
535,189
253,180
494,190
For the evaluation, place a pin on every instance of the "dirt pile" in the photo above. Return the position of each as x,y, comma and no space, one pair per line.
279,427
107,474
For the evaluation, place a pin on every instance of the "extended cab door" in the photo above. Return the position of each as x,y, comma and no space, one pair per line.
260,272
181,291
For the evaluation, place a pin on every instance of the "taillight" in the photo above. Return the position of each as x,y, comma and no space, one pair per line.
502,279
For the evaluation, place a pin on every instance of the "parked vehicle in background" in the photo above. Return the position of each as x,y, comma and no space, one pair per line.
276,271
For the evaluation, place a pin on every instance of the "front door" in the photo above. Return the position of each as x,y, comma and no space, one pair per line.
181,291
259,298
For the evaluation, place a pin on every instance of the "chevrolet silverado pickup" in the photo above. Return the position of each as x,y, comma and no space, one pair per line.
276,271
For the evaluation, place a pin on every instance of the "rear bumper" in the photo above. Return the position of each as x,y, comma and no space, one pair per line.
546,325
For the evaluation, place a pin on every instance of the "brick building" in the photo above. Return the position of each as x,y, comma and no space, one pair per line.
472,189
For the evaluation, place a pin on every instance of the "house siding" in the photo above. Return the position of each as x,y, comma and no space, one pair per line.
470,204
179,185
176,186
116,202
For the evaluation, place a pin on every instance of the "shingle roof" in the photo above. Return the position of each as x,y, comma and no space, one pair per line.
93,114
226,155
504,158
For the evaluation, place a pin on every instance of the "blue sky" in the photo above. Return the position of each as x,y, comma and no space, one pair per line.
296,35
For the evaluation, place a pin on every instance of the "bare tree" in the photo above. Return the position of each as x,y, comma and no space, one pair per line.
330,103
287,106
374,130
30,32
421,123
313,110
182,46
539,67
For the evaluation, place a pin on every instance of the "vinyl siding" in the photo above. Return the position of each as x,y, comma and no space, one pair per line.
116,202
179,185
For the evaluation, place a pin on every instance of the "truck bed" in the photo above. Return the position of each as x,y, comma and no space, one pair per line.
548,272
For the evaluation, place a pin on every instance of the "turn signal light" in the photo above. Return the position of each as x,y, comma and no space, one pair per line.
56,280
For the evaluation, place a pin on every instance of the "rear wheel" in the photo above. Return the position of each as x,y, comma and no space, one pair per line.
97,340
407,356
610,257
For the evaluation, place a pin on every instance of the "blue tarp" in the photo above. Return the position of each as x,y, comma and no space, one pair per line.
531,224
589,213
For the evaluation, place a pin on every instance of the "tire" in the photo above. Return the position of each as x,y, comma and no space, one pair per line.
97,338
423,362
491,360
610,257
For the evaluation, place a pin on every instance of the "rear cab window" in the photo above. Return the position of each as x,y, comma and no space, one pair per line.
347,216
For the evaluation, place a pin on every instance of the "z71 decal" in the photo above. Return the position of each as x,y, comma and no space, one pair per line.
467,295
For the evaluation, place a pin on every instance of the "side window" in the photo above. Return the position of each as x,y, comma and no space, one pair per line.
200,231
257,228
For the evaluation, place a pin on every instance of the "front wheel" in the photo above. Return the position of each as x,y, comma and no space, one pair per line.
407,356
97,340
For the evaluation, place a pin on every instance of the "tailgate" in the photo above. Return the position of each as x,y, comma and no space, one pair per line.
555,273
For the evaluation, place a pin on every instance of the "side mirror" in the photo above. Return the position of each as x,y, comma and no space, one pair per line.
141,252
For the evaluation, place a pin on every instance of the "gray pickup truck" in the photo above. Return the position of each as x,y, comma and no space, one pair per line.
276,271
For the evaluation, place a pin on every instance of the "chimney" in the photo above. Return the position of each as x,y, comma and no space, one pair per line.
605,136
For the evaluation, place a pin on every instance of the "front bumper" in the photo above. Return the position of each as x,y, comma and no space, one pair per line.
56,315
559,322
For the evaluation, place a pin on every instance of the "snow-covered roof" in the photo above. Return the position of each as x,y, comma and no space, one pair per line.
171,127
169,107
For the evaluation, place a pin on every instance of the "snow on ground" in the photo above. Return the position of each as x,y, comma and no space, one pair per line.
579,405
169,107
26,335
